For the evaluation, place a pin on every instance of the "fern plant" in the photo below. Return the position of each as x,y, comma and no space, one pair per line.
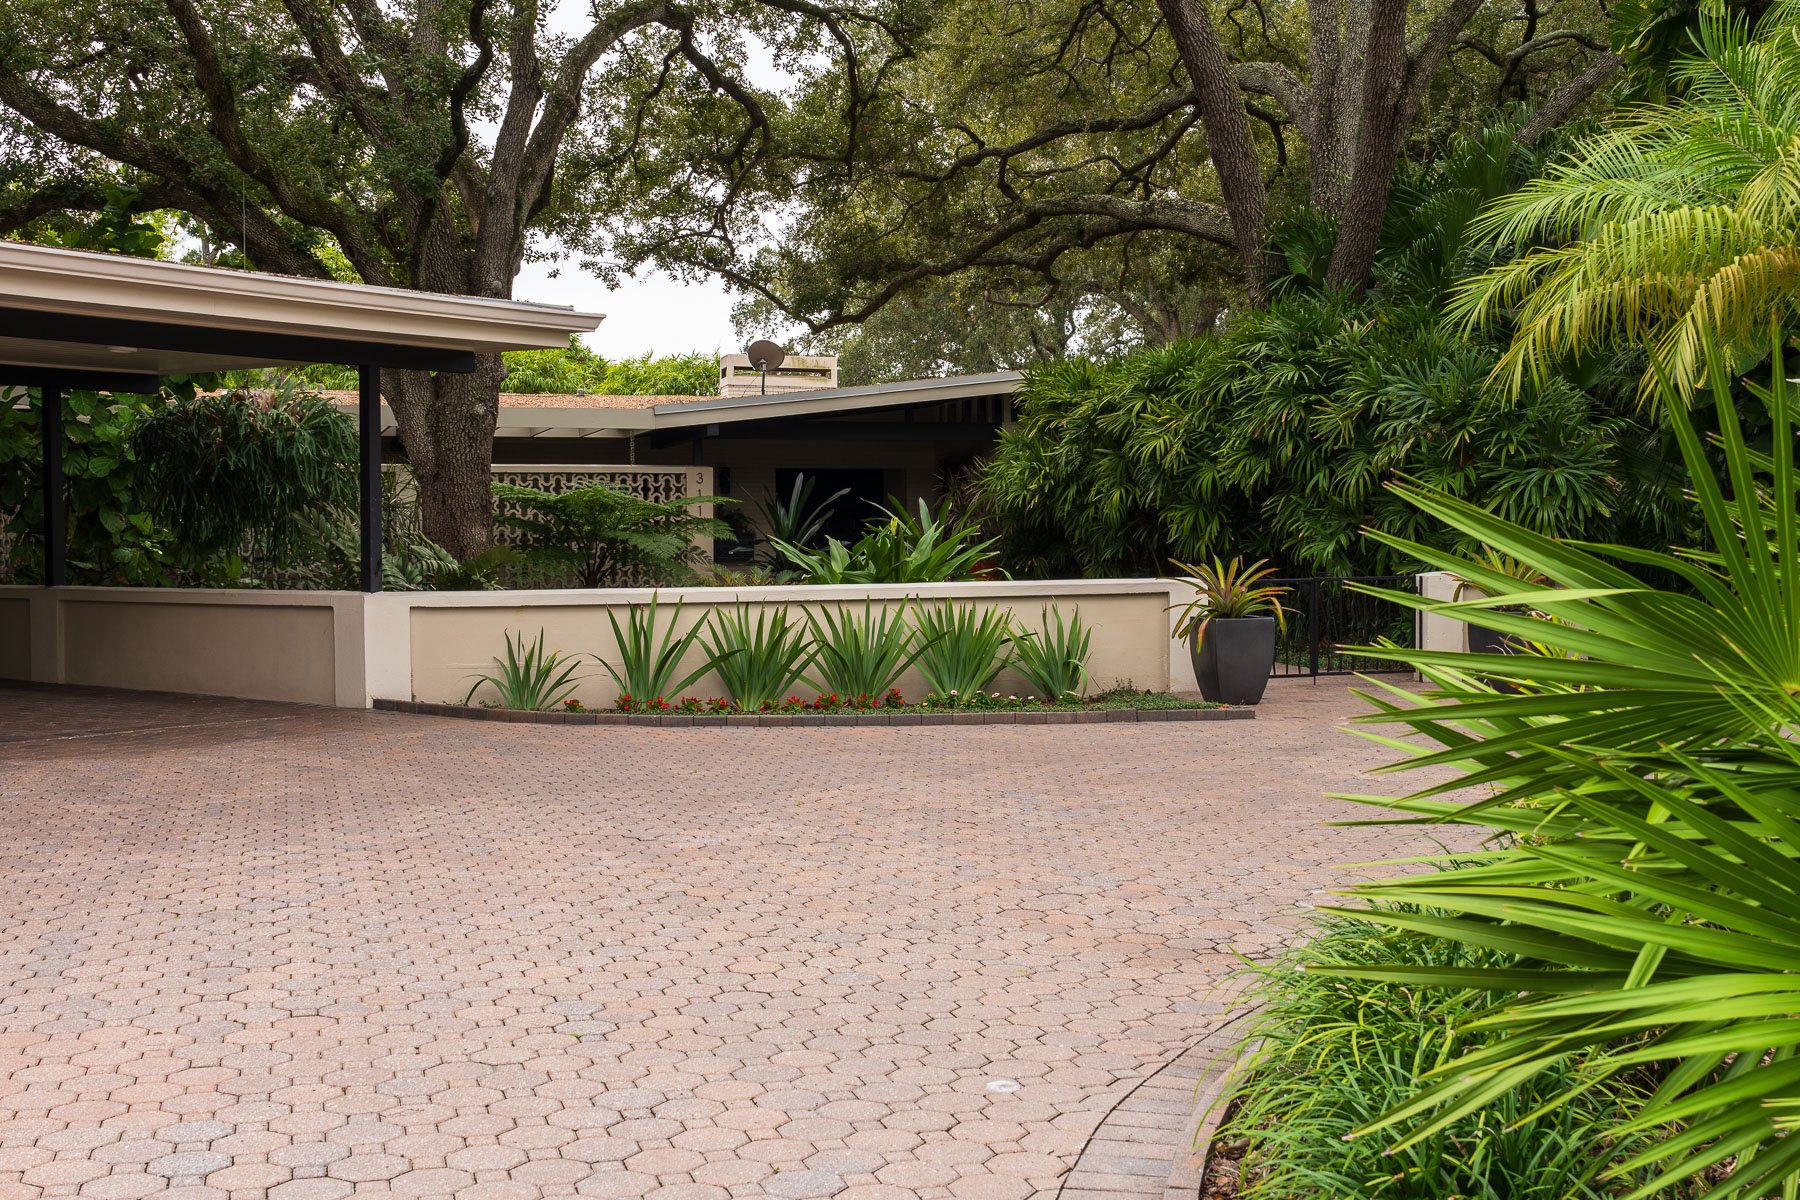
963,648
1053,657
759,660
529,677
648,660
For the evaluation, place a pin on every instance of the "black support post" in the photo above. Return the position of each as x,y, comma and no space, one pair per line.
368,412
56,502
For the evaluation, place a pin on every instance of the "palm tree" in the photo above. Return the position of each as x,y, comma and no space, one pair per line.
1679,223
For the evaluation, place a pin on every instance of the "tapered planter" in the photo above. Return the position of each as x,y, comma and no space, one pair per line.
1232,662
1483,640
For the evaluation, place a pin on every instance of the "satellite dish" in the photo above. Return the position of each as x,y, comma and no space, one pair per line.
765,355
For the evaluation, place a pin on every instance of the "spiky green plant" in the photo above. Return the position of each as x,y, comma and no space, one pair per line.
1678,223
1227,590
1053,657
964,647
759,660
648,657
898,547
1648,779
862,655
529,677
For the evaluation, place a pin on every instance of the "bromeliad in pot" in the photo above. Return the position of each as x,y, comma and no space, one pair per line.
1230,625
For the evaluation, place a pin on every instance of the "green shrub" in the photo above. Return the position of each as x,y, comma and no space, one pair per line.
861,657
1648,776
530,678
759,662
1273,438
1053,657
230,474
962,647
897,548
1330,1054
647,661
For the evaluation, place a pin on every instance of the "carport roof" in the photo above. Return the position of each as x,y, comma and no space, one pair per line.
74,318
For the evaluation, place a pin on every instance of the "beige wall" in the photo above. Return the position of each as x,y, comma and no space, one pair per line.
262,653
305,647
15,637
454,638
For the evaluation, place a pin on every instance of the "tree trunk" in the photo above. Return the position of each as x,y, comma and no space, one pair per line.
447,427
1228,137
1381,128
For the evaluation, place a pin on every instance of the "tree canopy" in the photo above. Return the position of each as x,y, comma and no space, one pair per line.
1046,144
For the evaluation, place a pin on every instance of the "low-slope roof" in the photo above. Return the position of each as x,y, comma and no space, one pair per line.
97,316
555,415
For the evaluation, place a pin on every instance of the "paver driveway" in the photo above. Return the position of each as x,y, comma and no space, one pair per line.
300,953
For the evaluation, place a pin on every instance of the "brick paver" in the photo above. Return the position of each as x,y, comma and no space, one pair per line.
302,953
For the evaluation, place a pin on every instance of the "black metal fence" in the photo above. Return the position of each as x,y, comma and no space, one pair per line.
1325,614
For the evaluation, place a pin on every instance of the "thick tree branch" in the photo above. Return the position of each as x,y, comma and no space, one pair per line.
1561,103
1279,84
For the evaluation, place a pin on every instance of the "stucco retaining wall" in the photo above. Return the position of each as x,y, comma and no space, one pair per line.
349,649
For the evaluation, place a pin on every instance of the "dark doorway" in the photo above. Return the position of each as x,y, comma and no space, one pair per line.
850,512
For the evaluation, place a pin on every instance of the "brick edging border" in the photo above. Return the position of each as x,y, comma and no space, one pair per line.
811,720
1155,1143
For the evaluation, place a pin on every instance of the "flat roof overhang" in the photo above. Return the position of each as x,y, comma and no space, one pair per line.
591,421
75,318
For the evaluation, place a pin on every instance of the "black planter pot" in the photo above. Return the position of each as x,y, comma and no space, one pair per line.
1232,662
1483,640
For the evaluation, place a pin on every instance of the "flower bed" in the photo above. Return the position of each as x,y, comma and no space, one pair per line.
992,708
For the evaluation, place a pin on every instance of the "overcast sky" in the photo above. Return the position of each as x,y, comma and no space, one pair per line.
652,314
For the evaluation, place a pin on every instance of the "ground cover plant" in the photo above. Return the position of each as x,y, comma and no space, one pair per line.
1332,1053
1645,786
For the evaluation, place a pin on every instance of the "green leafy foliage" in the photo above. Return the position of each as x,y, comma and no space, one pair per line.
1053,657
1647,783
962,647
529,677
1678,223
1274,437
898,547
1329,1054
112,535
796,519
759,660
648,659
602,537
861,656
235,474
